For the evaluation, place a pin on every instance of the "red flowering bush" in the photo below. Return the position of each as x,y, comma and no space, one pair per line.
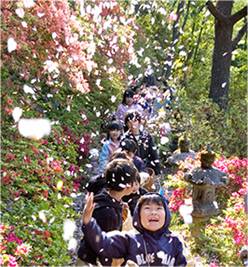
13,249
236,169
232,228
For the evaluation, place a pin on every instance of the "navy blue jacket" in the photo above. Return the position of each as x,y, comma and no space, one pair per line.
145,248
147,150
108,215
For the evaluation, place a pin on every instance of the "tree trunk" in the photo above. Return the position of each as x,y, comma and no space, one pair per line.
222,54
223,47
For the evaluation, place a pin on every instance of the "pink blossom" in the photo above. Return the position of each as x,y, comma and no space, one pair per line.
213,264
239,238
3,228
173,16
13,238
23,249
12,261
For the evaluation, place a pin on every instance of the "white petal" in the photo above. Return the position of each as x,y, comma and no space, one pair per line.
72,245
113,98
69,228
28,90
42,216
16,114
11,44
164,140
20,12
28,3
34,128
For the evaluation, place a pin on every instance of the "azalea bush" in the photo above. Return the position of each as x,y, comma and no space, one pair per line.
223,237
63,63
226,235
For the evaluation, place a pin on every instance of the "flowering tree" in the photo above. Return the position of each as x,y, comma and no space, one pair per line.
54,42
56,57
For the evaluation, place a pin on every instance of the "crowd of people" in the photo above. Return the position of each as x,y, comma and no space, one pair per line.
128,182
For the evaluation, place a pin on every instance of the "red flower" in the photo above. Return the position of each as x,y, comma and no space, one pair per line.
55,165
9,101
45,193
10,157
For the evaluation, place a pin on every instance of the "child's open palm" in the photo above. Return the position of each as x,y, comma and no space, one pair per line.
88,208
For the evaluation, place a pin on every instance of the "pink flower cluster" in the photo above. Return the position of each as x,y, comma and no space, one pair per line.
237,227
54,41
177,199
6,244
237,170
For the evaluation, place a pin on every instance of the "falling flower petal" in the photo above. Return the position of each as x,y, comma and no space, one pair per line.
164,140
34,128
28,3
72,245
24,24
223,84
42,216
68,229
20,12
113,98
11,45
28,90
16,114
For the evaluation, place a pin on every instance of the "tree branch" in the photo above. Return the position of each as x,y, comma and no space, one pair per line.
186,16
240,34
214,11
238,15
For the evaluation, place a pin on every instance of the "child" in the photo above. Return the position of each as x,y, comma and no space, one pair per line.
110,145
126,105
131,148
153,245
121,177
146,147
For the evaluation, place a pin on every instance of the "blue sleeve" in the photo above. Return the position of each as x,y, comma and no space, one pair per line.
110,245
103,157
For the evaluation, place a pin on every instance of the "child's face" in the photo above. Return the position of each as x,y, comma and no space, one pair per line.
129,189
133,125
129,101
114,134
136,187
152,216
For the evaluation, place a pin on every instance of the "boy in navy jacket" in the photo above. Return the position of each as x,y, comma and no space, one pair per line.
153,245
121,177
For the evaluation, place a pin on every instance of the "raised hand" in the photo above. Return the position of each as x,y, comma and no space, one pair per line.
88,208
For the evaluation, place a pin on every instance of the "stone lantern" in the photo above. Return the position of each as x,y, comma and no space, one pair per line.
180,154
205,180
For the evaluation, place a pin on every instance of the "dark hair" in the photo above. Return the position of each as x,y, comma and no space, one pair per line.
127,93
118,154
131,116
150,198
120,172
128,145
113,125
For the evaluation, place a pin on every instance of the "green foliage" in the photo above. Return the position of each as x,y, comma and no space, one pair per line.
205,124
